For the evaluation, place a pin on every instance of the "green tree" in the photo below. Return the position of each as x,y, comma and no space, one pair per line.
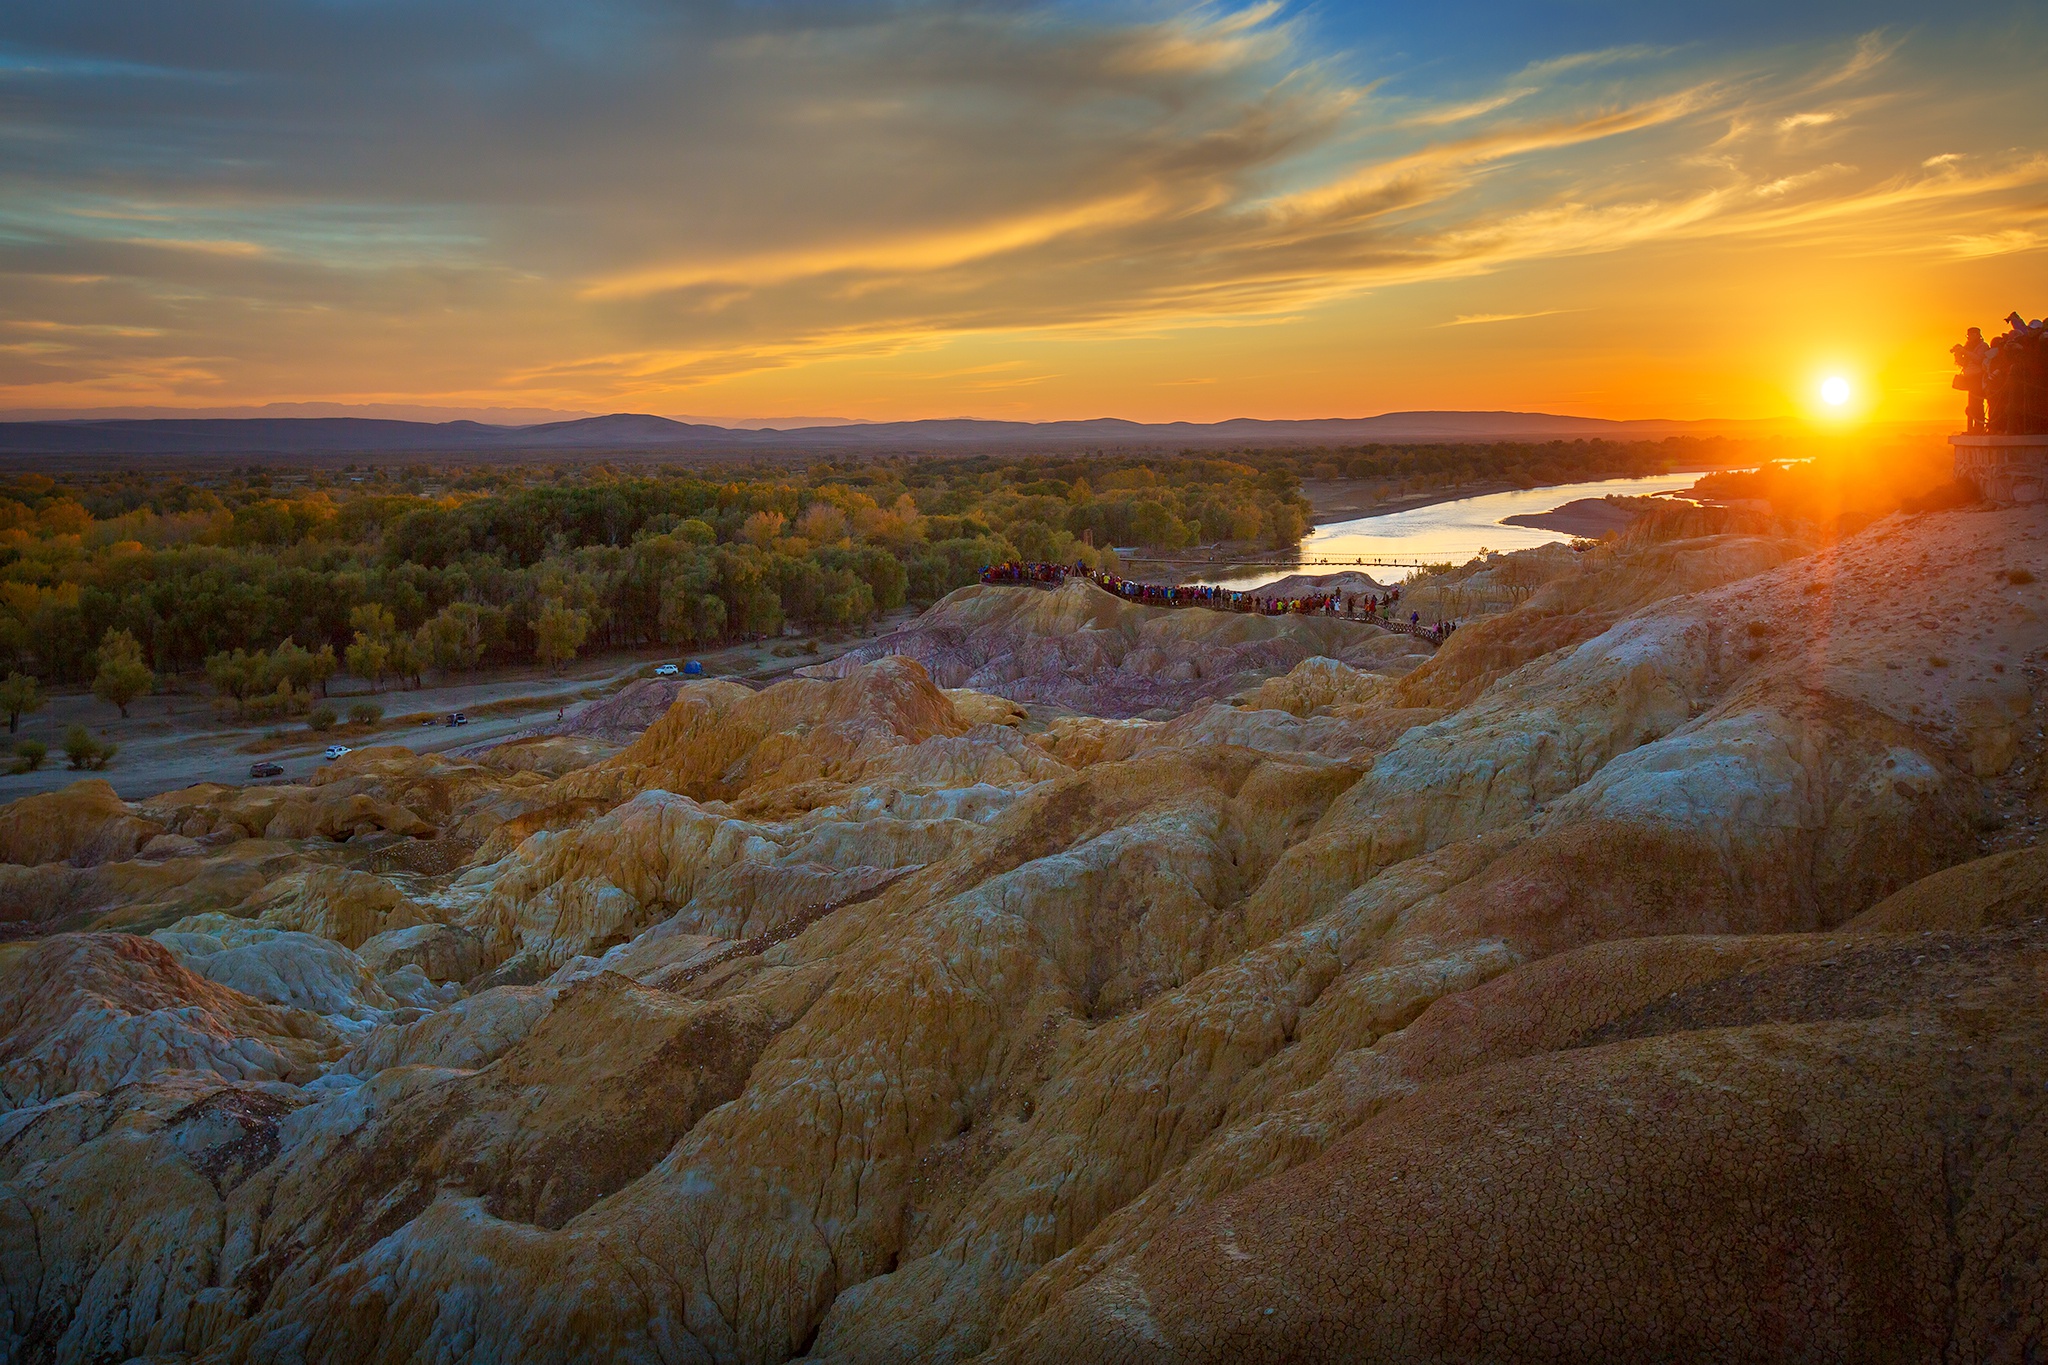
293,663
369,658
84,751
408,658
239,675
453,638
122,676
20,695
1284,525
558,632
29,755
373,620
324,666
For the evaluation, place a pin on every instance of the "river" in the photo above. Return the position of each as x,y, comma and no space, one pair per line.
1453,531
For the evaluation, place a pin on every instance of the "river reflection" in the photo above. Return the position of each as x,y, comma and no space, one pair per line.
1453,531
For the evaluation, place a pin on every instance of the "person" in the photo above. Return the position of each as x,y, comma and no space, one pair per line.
1970,358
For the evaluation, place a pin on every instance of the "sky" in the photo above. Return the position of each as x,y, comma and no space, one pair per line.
1006,209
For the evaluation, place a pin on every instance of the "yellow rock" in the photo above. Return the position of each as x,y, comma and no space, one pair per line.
83,823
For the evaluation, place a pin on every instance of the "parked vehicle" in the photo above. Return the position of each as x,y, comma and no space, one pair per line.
457,718
666,671
266,769
335,751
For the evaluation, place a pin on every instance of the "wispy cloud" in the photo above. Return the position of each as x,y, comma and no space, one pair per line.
1469,319
2004,243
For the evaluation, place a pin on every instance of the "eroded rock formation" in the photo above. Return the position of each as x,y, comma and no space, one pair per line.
1081,648
1655,972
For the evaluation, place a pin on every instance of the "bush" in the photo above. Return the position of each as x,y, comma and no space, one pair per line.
29,755
84,751
365,713
2019,578
320,718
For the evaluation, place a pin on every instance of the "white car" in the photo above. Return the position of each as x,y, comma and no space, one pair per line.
666,671
335,751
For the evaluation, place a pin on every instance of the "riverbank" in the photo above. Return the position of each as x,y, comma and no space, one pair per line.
1394,540
1335,500
1589,518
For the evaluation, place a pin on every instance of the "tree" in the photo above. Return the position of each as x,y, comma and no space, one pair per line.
291,662
822,524
1284,525
408,658
558,632
762,528
239,675
373,620
29,755
122,676
458,636
369,658
325,666
19,696
369,655
691,618
84,751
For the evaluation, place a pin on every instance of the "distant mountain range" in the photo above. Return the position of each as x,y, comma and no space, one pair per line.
639,432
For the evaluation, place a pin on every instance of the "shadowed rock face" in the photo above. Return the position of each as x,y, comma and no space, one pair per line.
1659,976
1836,1156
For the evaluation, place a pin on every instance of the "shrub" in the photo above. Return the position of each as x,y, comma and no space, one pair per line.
365,713
84,751
29,755
2019,577
320,718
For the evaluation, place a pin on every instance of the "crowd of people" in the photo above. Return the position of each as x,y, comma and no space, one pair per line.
2006,378
1378,608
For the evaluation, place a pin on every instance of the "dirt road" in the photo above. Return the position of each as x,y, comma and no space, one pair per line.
172,741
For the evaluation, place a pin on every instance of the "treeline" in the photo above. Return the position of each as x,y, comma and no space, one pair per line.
395,573
393,579
1525,464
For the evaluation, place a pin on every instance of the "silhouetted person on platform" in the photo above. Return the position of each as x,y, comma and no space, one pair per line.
1970,358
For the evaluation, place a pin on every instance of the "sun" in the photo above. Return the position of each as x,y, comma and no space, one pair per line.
1834,391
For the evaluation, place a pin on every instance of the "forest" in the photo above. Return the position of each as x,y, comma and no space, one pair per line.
260,576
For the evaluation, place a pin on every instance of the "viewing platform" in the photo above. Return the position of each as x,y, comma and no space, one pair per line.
2007,470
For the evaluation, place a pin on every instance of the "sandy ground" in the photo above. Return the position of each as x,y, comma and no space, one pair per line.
1589,517
177,740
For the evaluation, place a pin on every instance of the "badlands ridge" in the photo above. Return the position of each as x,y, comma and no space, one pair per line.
1657,971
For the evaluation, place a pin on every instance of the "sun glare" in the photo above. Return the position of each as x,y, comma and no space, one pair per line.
1834,391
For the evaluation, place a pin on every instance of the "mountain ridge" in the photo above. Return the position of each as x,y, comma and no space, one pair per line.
646,432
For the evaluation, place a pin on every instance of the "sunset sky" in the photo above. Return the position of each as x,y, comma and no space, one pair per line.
898,210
